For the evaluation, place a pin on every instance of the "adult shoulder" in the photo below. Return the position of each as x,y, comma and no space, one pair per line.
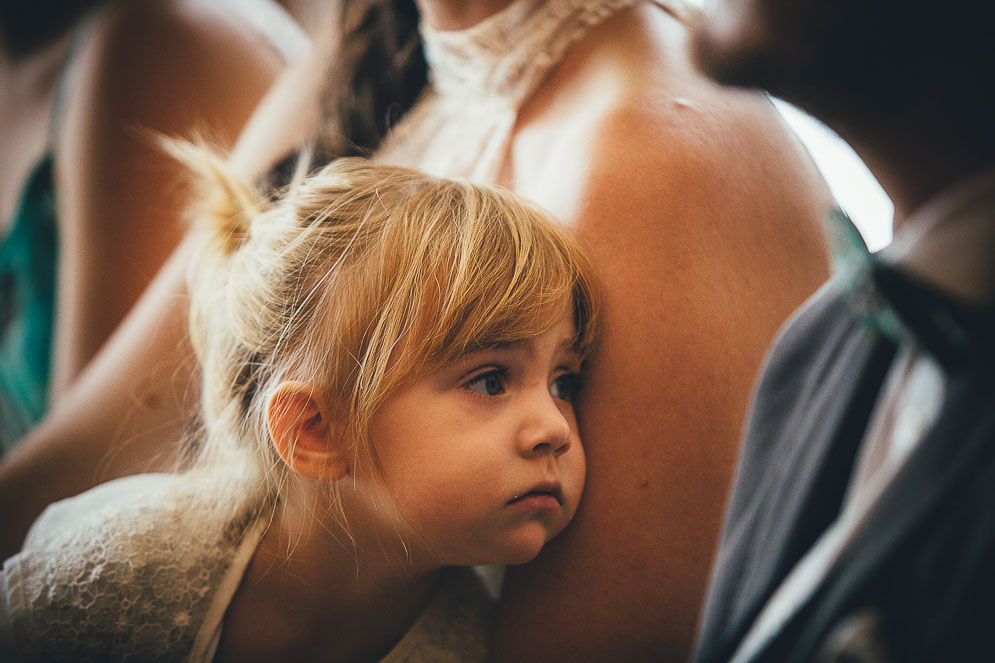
168,63
175,67
653,162
701,213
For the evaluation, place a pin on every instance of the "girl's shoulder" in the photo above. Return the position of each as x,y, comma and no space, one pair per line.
129,569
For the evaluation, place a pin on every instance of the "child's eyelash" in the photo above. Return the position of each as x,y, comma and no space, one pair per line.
482,370
570,381
478,378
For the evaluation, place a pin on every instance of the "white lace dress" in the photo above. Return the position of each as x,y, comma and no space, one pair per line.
132,570
479,78
143,569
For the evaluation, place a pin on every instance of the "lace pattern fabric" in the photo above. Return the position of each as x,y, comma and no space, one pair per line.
125,572
144,568
506,56
480,77
454,627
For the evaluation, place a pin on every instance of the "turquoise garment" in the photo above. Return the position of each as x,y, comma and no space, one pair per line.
854,267
27,302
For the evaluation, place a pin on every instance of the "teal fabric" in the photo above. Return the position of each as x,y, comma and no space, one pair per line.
27,303
853,266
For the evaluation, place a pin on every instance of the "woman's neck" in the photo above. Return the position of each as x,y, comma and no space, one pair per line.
311,582
458,14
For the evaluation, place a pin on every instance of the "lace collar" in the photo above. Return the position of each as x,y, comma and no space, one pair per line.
505,57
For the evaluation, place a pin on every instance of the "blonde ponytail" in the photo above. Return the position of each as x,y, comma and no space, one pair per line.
224,206
222,212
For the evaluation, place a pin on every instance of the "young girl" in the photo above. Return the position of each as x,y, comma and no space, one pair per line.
389,361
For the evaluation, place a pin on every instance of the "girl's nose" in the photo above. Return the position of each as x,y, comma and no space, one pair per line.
545,430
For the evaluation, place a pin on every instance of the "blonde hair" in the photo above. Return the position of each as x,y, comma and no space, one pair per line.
354,279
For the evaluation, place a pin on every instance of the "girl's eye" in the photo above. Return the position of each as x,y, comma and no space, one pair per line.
564,386
487,384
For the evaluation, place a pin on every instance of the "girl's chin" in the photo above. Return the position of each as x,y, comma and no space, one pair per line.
526,544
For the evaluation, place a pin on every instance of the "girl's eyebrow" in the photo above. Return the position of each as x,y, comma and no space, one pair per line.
527,345
568,344
505,345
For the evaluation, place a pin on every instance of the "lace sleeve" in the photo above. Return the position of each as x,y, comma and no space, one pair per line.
124,572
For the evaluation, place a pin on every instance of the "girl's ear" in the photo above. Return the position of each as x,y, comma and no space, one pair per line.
304,433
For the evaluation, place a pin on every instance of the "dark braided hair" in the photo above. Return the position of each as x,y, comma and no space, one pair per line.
374,77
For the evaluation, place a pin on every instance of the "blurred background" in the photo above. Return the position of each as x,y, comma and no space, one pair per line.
853,185
856,190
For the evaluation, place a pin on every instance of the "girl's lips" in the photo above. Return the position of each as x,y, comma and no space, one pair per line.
545,495
535,501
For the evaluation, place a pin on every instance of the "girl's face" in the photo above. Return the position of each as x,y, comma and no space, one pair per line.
482,455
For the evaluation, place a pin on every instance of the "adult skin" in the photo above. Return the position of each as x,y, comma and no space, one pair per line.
139,67
119,196
686,196
701,213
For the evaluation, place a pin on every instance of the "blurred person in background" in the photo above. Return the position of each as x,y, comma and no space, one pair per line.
89,208
860,526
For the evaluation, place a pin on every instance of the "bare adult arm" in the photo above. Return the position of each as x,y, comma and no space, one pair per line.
171,66
126,411
702,215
